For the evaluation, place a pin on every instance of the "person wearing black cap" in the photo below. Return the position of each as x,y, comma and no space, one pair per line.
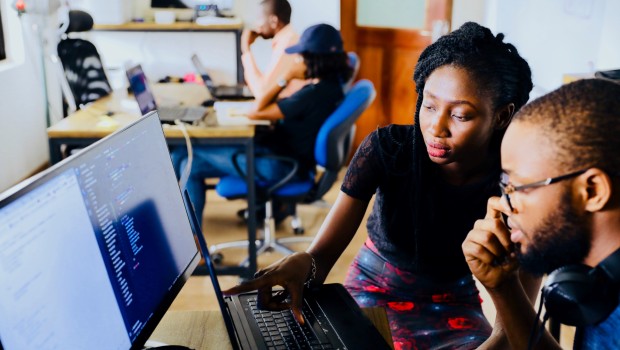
297,119
322,60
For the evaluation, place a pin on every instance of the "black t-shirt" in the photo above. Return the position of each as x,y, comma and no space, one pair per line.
382,166
304,113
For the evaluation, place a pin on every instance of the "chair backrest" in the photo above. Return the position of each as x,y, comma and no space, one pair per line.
354,62
336,135
81,62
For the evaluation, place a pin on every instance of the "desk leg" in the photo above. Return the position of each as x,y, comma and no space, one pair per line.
249,151
55,152
240,78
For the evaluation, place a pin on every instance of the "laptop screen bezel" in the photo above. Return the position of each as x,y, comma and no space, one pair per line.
195,224
33,183
202,71
137,70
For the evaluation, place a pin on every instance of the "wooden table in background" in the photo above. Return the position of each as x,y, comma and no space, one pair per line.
205,330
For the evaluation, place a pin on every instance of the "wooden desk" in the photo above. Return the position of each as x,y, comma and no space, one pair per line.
88,125
235,28
204,330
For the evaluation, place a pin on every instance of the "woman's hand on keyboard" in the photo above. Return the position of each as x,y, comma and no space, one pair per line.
290,272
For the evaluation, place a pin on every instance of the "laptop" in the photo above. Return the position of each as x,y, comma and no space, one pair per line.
146,100
221,92
333,318
94,250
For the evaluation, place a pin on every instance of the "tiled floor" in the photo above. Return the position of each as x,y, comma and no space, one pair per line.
221,224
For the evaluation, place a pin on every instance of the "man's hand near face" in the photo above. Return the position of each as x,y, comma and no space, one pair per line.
248,37
488,249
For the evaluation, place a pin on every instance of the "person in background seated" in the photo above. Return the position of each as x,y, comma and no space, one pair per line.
318,57
431,181
570,223
274,24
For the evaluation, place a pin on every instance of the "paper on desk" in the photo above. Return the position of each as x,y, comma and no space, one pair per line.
235,113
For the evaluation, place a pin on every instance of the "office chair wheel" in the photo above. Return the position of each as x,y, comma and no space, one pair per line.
299,230
217,258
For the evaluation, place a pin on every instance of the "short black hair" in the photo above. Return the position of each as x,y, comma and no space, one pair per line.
279,8
582,121
331,66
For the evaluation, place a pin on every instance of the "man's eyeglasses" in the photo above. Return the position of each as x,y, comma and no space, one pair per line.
508,188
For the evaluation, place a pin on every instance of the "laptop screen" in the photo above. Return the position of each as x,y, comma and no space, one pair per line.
94,250
140,88
202,71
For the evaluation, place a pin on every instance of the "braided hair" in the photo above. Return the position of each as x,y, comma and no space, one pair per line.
497,67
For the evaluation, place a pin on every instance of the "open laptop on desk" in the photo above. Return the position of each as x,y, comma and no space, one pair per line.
221,92
333,318
146,100
94,250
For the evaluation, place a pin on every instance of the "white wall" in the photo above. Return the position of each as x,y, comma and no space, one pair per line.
609,45
559,37
23,139
468,11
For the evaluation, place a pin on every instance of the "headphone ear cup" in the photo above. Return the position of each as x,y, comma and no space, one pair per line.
574,296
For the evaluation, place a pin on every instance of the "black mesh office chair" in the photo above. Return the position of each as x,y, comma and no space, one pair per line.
81,63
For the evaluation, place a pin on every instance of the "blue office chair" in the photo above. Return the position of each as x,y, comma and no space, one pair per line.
331,151
82,64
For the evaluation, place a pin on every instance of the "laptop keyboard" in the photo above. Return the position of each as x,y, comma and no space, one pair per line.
281,331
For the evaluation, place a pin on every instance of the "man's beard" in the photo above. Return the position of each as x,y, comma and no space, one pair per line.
561,239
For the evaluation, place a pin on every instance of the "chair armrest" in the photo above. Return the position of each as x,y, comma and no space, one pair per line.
269,190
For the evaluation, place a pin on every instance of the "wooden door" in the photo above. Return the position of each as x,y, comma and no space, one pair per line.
388,57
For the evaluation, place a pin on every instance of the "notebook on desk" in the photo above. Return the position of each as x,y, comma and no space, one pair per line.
146,100
220,92
333,318
235,113
94,250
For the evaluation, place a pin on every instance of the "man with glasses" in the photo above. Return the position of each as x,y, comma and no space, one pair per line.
559,212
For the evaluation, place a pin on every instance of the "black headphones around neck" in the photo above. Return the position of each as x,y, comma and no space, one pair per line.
578,295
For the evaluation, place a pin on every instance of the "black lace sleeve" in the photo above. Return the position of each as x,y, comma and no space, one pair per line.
364,172
384,155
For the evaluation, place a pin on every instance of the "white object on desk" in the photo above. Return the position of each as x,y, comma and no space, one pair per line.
235,113
212,20
164,17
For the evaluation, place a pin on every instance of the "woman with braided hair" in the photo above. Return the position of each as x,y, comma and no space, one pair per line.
431,181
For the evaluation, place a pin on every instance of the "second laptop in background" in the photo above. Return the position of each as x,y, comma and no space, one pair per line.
220,92
146,100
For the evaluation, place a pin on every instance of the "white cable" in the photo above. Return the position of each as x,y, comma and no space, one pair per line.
190,154
63,19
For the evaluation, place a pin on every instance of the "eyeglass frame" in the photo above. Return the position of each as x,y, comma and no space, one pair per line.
508,188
